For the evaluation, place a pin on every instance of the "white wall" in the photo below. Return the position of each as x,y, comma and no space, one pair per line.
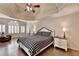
70,22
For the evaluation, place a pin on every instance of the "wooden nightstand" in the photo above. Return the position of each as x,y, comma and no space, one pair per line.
60,43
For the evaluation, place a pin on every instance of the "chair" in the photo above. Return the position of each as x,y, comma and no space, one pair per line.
5,39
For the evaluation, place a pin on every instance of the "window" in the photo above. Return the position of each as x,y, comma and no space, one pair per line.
16,29
2,28
13,27
9,29
22,29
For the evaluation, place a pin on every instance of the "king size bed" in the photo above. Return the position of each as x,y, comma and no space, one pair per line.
36,43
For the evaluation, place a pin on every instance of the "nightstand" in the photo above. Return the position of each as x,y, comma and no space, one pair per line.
60,43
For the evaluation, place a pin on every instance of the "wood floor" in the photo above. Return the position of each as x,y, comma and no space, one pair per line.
12,49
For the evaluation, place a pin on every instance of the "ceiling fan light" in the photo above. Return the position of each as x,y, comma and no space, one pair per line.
28,9
31,9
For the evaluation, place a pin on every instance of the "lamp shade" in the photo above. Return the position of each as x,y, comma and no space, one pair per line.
64,29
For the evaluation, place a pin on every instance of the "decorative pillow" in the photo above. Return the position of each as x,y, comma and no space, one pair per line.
44,33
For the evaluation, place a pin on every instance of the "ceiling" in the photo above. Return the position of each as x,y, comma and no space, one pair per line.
16,10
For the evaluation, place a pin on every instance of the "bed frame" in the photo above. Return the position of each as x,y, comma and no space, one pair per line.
26,49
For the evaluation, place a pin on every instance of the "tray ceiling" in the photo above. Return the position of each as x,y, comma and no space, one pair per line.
16,10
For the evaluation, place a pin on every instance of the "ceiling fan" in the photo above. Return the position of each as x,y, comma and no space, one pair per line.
31,7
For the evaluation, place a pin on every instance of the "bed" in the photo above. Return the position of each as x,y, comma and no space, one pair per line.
36,43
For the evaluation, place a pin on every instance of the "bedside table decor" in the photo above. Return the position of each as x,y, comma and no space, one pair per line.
64,30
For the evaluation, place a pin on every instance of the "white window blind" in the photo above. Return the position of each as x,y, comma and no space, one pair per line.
2,28
22,29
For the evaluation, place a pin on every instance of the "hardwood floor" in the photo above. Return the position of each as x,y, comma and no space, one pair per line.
12,49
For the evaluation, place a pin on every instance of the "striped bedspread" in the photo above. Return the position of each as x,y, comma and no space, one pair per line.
35,43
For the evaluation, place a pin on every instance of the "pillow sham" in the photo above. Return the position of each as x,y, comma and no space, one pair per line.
43,33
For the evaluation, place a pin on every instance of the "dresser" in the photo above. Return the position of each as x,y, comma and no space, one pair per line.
60,43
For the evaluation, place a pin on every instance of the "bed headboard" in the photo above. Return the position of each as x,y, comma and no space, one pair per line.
44,29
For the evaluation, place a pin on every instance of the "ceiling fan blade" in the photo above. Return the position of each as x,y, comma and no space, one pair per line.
37,6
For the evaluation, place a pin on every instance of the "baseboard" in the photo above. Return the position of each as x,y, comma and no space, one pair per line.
73,48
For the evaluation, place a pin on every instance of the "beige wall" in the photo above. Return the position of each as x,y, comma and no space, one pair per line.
70,22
